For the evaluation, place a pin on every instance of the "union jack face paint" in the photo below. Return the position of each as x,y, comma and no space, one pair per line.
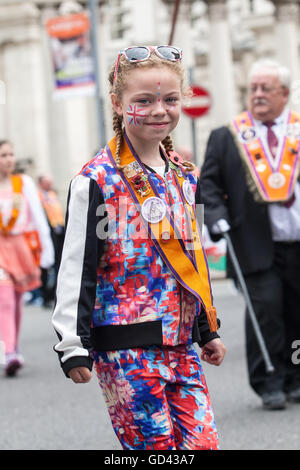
135,115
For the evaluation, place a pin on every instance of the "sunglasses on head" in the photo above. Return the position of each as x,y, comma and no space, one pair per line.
141,53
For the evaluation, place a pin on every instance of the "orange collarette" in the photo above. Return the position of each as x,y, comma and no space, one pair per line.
274,184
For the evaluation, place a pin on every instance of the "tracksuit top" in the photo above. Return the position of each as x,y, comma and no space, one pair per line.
114,289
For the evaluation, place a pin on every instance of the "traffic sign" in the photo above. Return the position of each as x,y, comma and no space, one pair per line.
200,102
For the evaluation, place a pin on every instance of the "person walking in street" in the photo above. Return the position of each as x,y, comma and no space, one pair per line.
56,221
25,244
133,286
250,188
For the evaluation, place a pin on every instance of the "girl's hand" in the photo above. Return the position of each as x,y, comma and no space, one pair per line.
80,375
213,352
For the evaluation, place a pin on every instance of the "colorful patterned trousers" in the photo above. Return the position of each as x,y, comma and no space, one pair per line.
157,398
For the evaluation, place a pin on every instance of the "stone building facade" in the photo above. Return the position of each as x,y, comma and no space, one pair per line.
220,39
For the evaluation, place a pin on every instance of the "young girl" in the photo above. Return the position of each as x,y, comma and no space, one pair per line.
133,287
21,220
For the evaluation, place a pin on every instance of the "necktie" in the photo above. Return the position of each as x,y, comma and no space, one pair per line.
273,143
272,139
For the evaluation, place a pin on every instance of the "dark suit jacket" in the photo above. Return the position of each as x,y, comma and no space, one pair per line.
225,195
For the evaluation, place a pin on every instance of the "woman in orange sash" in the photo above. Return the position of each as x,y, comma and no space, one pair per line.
20,214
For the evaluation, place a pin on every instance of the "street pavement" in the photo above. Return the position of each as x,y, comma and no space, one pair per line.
40,409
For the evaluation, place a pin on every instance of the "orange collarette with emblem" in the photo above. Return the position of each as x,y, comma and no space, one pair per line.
274,179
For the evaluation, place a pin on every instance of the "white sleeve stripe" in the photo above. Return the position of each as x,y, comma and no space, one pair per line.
65,316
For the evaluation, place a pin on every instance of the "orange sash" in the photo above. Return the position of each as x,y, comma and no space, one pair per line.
52,208
190,271
32,238
17,185
274,180
33,241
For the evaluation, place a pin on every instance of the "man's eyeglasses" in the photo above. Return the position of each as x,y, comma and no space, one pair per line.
264,88
141,53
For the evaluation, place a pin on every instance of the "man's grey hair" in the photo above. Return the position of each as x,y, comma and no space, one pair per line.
274,67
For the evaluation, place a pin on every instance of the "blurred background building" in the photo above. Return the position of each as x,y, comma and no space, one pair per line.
56,135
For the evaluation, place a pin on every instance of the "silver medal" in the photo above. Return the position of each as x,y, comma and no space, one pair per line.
188,192
154,210
276,180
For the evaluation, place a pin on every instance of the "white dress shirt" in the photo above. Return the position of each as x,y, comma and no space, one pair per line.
285,222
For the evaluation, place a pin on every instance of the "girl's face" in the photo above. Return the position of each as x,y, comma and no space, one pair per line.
7,160
150,103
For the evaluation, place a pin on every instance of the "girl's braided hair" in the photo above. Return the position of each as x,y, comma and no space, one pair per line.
119,84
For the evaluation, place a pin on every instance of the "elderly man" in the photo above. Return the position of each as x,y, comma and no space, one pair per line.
250,187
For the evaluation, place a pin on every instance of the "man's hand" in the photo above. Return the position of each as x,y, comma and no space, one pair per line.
80,375
213,352
220,227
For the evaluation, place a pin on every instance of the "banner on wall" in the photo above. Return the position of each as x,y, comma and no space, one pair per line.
71,51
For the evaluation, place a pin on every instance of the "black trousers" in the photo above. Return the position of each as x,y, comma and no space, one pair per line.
275,295
49,276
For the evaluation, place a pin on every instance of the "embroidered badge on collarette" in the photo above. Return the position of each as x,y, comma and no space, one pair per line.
135,174
247,135
176,163
176,168
293,130
132,169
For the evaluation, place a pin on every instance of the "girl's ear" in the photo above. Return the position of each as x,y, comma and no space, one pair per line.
116,104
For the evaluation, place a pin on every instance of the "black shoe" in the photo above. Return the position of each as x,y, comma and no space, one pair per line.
13,364
294,395
275,400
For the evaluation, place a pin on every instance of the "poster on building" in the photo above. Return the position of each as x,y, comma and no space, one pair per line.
71,51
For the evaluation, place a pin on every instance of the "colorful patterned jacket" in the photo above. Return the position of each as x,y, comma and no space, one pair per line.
114,289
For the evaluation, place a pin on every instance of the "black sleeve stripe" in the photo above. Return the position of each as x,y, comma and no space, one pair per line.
76,286
92,253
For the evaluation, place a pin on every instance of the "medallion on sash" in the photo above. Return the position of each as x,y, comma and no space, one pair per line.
188,192
153,210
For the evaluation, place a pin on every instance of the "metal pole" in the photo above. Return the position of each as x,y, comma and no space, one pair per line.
174,21
194,143
193,124
269,366
99,100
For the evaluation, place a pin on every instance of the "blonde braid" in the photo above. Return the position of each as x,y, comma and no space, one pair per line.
168,145
189,166
118,130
